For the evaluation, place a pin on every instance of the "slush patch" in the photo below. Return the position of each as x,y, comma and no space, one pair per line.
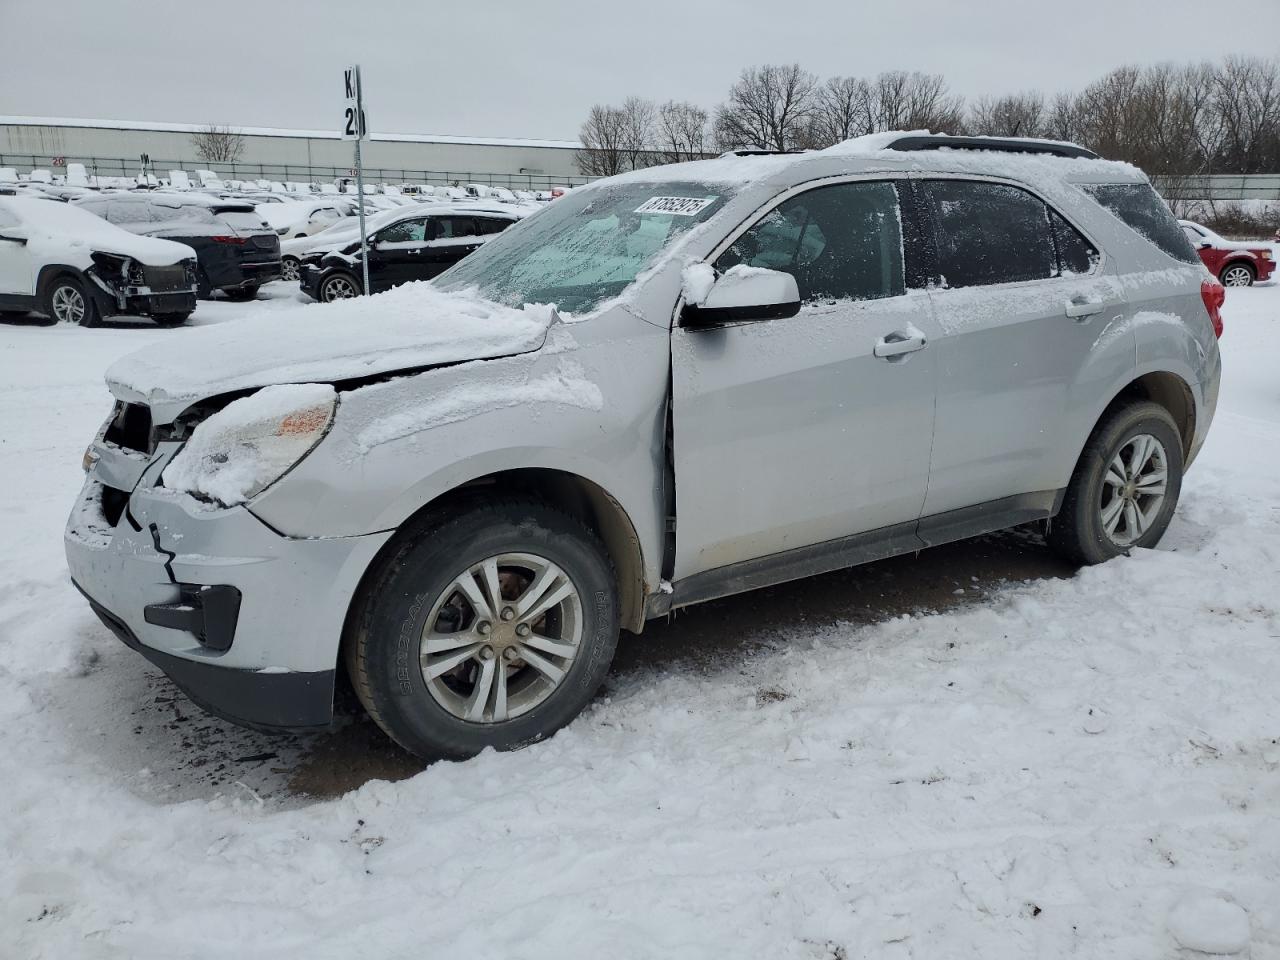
680,206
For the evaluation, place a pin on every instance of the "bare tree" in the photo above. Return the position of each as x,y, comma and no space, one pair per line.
1012,115
637,132
603,139
914,101
769,107
215,144
1247,99
841,111
681,132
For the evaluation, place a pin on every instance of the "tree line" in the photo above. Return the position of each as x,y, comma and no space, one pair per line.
1172,120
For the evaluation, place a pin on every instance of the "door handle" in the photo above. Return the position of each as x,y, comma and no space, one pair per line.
1080,309
899,343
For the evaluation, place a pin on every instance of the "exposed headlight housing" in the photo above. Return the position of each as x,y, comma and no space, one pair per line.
252,442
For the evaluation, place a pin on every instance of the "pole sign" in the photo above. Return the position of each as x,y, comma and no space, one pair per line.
354,125
354,128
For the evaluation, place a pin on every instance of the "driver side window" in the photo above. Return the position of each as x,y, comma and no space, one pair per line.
406,231
840,242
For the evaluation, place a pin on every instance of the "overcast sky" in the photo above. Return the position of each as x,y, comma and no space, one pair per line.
533,68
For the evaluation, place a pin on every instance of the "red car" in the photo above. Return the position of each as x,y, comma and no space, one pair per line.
1236,264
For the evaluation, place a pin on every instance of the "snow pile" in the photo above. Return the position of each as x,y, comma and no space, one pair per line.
1209,924
251,442
416,325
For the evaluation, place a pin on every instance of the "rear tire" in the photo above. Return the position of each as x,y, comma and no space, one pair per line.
241,294
289,269
67,301
170,319
517,674
1237,275
1125,487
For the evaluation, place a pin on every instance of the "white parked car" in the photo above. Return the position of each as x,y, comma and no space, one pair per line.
64,262
302,218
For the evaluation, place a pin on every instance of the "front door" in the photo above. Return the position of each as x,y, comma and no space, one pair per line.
398,254
799,431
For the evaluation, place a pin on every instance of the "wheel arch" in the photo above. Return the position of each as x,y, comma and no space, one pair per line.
571,493
1170,391
52,271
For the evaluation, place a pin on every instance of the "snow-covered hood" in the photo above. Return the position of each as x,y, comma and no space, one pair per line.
152,251
412,327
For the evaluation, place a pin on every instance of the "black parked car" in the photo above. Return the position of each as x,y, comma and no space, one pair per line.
417,245
236,250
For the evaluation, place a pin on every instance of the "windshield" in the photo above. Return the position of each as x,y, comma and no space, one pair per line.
587,246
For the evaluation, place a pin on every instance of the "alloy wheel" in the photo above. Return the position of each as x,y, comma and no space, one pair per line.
1133,489
68,304
339,288
289,268
501,638
1237,277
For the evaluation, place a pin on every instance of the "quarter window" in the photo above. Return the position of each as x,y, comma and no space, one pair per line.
1138,205
840,242
990,233
1076,255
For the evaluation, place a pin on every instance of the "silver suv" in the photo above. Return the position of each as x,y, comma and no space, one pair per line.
669,386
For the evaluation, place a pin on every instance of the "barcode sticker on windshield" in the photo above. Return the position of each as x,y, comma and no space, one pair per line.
680,206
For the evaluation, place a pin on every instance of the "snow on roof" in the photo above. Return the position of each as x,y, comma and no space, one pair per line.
66,225
873,151
164,127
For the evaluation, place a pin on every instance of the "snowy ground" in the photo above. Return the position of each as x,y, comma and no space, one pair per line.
1084,767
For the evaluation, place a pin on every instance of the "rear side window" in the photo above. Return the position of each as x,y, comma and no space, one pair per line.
841,242
455,227
492,225
1139,206
990,233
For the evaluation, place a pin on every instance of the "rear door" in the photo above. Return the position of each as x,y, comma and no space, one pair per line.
1023,302
452,238
794,432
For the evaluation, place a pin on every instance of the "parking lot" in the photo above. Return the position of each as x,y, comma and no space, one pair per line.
1008,744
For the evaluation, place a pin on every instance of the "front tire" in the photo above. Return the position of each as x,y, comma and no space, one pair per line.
1125,487
1236,275
241,294
67,301
491,627
339,286
170,319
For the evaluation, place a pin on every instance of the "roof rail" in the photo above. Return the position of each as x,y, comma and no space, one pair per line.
1002,144
756,152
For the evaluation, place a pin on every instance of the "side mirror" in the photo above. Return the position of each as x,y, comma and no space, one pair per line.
1205,245
14,238
744,294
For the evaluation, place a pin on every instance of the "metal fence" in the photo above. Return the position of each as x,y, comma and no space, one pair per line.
1216,187
290,173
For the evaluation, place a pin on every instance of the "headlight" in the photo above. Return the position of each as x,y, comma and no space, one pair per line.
252,442
111,266
1265,254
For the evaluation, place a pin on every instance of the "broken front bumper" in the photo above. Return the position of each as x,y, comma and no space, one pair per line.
245,620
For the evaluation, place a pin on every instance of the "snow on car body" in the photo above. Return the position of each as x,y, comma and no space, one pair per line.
668,386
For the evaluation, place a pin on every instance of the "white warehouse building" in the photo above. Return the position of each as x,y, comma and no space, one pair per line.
115,148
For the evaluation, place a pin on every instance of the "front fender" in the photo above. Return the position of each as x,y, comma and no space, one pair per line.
597,412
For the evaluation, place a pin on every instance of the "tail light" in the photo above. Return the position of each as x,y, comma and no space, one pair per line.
1214,296
236,241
